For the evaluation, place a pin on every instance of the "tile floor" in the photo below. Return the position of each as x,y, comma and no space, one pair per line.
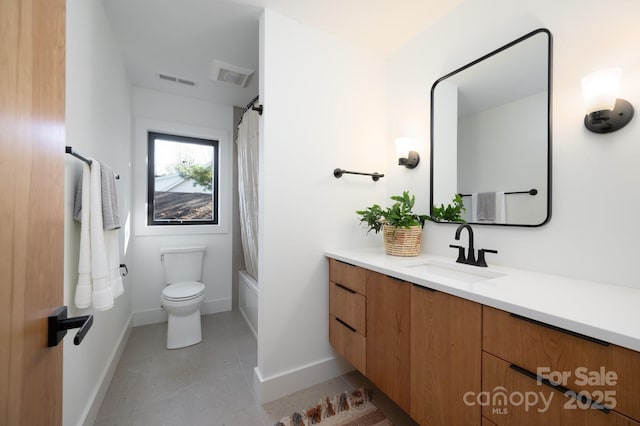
210,383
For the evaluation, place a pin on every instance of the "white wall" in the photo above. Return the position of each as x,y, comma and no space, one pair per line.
173,114
325,107
513,158
446,129
98,125
592,233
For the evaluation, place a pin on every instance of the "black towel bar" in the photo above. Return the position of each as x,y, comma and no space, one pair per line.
375,175
532,191
69,150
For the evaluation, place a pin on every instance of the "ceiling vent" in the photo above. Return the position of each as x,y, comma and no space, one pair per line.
232,74
177,80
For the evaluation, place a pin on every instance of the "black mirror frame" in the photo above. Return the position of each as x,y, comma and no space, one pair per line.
549,117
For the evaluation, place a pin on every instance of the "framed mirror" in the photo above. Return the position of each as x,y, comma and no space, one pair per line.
491,135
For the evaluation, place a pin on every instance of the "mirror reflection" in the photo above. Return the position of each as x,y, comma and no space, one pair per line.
490,135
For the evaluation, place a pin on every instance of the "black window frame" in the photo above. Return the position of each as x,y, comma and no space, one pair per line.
214,143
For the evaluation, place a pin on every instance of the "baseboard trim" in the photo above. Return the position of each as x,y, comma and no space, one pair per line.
246,318
157,315
92,408
282,384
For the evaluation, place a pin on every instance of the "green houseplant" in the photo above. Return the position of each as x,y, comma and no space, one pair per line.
402,228
450,213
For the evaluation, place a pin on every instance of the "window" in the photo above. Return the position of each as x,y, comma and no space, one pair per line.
182,180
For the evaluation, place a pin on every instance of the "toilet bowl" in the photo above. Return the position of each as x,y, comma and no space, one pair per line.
183,295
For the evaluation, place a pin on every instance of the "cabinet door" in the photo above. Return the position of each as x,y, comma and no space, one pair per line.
578,362
348,342
388,334
446,338
512,398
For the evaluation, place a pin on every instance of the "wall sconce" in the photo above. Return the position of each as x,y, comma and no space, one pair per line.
605,112
406,156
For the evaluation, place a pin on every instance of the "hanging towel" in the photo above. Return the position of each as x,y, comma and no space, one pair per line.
83,288
488,207
77,200
102,297
501,208
112,244
110,212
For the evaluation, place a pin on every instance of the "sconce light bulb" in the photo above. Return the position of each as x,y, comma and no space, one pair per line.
600,89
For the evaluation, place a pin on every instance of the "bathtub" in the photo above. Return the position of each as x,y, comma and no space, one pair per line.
248,300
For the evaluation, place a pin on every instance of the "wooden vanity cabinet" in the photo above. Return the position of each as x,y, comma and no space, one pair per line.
446,343
518,349
388,336
508,390
439,357
347,312
369,325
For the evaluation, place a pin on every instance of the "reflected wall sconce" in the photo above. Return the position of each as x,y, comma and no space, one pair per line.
605,112
406,156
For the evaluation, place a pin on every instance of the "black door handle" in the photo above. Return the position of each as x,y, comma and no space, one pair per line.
59,324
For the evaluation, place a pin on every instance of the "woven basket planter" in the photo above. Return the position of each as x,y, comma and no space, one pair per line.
402,241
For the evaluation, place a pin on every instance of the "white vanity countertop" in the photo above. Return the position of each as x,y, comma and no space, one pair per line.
607,312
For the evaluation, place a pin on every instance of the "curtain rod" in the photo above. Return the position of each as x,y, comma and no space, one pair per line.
251,106
69,150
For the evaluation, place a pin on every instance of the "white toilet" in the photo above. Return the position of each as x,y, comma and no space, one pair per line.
183,295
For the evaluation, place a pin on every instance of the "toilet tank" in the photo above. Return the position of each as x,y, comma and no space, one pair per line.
182,263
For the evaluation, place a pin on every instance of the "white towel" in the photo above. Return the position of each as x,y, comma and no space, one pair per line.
102,296
488,207
112,244
83,288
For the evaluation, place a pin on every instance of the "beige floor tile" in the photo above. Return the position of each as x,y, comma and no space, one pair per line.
208,384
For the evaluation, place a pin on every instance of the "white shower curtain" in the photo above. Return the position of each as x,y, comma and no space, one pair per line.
248,189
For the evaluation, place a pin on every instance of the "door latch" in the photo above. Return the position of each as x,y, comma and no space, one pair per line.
59,324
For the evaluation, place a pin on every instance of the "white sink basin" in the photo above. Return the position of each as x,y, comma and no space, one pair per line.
463,273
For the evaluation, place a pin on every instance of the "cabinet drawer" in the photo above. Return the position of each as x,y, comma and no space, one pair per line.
349,306
349,276
506,392
349,343
568,359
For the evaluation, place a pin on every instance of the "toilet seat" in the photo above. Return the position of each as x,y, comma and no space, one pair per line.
183,291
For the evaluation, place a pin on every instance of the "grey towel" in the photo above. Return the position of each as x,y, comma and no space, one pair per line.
486,207
110,212
77,201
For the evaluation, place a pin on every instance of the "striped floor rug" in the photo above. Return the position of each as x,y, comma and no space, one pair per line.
344,409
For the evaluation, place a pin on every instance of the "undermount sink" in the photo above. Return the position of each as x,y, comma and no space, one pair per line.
463,273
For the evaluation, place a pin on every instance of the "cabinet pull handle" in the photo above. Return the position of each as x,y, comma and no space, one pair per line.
344,263
561,330
345,324
394,278
424,288
344,288
563,390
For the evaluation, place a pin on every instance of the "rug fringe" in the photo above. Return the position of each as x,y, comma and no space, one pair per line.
328,407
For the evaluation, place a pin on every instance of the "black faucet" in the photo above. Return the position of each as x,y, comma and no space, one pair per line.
470,258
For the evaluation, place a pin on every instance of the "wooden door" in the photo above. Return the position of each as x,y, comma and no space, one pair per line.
388,336
32,61
446,347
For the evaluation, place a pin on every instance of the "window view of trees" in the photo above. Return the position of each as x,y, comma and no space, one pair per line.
182,180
